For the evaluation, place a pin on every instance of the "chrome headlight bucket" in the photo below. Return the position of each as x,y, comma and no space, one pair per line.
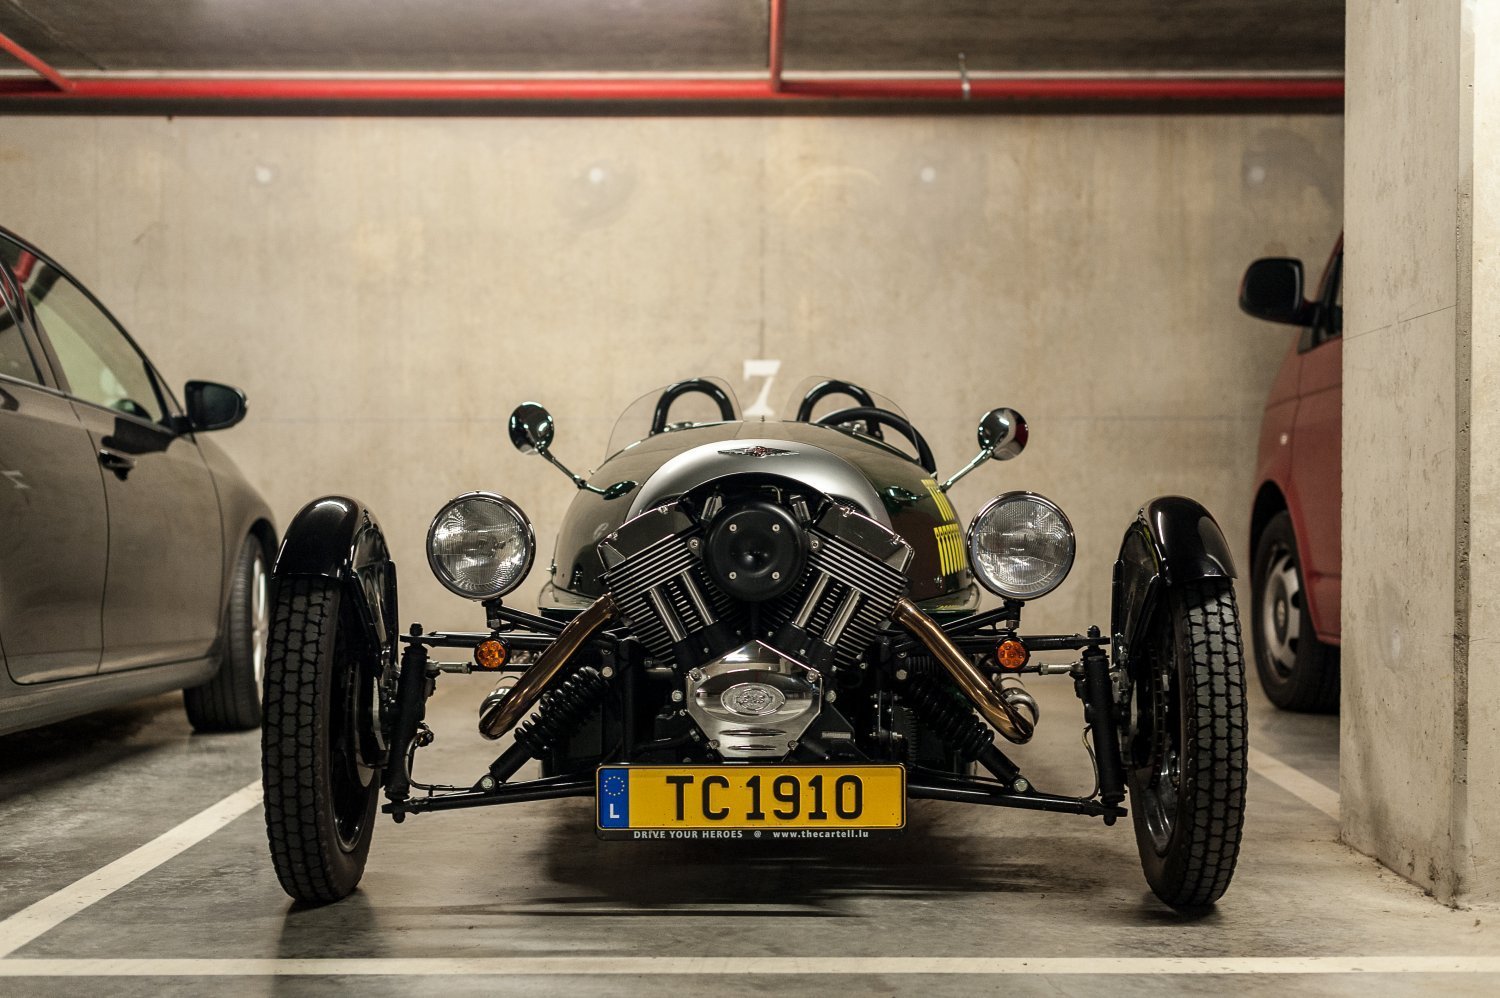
1021,545
480,546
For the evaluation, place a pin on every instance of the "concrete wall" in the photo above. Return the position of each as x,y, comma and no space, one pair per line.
1420,752
386,290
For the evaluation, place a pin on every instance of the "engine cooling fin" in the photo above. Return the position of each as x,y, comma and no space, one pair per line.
654,571
854,575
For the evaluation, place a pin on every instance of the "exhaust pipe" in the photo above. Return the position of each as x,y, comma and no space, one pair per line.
499,715
1009,709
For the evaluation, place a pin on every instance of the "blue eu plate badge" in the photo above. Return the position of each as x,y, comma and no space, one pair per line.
614,798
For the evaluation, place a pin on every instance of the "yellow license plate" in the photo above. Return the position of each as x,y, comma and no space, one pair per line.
695,802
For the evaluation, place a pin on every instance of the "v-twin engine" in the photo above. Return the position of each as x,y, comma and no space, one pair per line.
691,597
755,600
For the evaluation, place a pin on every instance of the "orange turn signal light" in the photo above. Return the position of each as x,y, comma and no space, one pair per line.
1012,655
491,653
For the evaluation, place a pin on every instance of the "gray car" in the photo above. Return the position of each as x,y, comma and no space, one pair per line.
133,553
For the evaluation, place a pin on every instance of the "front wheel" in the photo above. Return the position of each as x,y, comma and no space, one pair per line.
1185,747
320,795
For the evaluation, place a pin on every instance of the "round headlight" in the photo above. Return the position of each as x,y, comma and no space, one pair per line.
480,545
1021,545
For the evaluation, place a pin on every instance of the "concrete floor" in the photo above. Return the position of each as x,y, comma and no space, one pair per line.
1061,898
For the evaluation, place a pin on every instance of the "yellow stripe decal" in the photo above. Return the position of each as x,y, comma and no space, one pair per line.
951,557
945,508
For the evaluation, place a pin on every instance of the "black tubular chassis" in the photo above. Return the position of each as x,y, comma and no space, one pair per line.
976,635
1172,542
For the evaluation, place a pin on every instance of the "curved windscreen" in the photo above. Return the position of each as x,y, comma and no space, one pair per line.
674,407
833,398
829,395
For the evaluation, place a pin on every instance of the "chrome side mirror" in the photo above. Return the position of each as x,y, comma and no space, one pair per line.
531,431
1002,436
1002,433
531,428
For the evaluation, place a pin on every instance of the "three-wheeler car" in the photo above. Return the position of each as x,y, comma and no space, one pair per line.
757,628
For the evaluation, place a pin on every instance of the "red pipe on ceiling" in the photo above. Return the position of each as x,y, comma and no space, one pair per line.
31,62
935,90
56,88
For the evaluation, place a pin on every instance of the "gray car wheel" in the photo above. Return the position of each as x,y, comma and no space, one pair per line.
231,701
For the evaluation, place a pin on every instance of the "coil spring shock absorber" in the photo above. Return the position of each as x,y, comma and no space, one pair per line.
952,720
560,712
558,715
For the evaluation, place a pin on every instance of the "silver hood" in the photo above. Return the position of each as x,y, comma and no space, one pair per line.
813,466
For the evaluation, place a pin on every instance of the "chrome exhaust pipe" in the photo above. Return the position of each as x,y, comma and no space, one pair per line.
1009,709
499,714
1018,697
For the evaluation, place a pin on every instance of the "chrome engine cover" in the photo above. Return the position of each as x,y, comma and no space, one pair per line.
754,702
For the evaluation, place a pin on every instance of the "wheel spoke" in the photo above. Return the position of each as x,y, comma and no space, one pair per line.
1161,766
260,620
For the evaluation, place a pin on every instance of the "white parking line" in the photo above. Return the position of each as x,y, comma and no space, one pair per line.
51,911
752,966
1296,783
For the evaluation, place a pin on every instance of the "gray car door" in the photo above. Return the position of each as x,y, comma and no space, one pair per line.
162,594
54,535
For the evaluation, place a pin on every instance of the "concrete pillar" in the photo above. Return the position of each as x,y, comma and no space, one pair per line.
1420,745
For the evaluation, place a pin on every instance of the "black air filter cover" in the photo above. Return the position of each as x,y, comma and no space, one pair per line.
755,550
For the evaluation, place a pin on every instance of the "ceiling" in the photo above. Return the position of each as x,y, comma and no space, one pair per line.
704,37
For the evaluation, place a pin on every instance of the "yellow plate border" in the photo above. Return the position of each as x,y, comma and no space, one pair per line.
721,768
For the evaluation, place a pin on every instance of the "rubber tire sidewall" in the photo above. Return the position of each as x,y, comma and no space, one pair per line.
311,861
231,700
1195,869
1313,686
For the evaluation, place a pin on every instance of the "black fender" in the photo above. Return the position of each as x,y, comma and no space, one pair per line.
1173,541
336,537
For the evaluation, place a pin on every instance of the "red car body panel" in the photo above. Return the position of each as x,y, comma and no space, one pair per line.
1299,463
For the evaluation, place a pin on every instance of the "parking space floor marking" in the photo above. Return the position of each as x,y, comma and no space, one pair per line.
750,966
1296,783
51,911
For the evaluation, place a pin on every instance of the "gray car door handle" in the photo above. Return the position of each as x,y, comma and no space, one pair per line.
118,463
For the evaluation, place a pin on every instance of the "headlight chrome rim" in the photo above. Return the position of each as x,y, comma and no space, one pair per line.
528,534
975,563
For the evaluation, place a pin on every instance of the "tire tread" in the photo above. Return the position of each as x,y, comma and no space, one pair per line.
1222,761
303,620
1214,697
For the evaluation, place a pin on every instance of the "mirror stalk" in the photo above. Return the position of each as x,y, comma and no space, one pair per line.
531,432
577,479
979,459
613,492
1002,435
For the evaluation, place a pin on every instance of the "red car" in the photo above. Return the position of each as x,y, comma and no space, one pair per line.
1294,525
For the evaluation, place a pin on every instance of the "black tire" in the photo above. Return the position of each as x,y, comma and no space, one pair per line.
1185,748
1297,671
231,700
320,799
